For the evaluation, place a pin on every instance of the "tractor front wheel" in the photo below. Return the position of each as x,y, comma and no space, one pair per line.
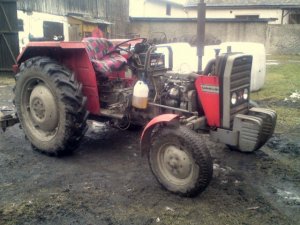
180,161
50,106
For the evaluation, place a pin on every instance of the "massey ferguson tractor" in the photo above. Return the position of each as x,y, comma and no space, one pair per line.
59,85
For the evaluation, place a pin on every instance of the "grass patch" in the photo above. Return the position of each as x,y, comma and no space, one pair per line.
281,81
283,58
6,79
288,119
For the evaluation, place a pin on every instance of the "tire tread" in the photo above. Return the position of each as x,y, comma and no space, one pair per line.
72,97
199,152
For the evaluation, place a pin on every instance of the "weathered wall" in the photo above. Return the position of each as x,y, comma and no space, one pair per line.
173,30
278,39
94,8
115,11
283,39
33,24
215,32
247,32
118,13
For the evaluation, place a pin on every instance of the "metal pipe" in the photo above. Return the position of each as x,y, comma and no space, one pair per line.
172,108
201,32
107,113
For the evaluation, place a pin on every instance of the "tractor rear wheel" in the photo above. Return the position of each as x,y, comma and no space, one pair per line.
50,106
180,161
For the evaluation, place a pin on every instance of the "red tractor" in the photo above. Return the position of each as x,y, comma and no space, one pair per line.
59,85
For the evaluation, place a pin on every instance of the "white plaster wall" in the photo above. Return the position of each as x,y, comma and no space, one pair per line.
226,13
136,8
33,23
142,8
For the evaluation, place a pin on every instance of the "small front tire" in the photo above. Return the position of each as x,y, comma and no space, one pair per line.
180,161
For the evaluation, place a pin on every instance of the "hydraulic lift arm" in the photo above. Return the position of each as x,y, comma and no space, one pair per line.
7,119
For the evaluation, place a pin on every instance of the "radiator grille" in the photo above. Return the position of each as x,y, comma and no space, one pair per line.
239,81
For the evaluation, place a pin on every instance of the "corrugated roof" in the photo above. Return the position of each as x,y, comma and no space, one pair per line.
91,20
246,3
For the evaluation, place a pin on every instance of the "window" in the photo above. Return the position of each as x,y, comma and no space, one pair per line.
20,25
294,18
53,30
168,9
247,17
87,34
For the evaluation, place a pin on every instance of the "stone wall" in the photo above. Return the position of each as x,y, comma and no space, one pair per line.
283,39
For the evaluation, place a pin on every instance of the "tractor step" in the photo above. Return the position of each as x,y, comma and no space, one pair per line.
7,119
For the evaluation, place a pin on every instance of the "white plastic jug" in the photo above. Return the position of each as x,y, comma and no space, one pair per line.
140,95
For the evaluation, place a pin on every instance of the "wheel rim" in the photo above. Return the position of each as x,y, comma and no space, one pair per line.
175,164
40,109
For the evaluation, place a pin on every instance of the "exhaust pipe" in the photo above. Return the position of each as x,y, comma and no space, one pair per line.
201,33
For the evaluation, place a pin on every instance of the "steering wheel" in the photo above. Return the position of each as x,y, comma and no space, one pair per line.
118,46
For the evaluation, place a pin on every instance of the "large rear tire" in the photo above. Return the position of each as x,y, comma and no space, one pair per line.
50,106
180,161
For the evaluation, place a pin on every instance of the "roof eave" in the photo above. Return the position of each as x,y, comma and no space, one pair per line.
212,20
168,1
228,6
91,20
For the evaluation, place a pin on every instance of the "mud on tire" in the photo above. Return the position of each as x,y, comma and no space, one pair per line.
180,161
50,106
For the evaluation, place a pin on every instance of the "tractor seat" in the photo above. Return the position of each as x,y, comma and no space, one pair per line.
102,55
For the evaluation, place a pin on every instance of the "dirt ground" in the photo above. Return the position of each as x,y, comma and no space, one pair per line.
107,182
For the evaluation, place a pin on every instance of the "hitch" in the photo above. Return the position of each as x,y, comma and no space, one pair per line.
7,119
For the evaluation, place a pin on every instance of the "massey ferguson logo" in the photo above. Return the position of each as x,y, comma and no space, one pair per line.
210,88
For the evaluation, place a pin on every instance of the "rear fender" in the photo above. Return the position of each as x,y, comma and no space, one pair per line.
74,56
146,135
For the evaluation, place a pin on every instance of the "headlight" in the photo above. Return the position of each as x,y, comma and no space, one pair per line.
246,94
233,98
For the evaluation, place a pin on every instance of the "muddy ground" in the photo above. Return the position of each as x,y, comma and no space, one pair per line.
107,182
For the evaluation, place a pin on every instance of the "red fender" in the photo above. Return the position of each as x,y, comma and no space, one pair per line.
74,56
146,135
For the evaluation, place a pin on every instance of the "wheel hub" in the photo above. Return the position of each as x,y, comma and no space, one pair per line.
38,108
177,162
43,108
